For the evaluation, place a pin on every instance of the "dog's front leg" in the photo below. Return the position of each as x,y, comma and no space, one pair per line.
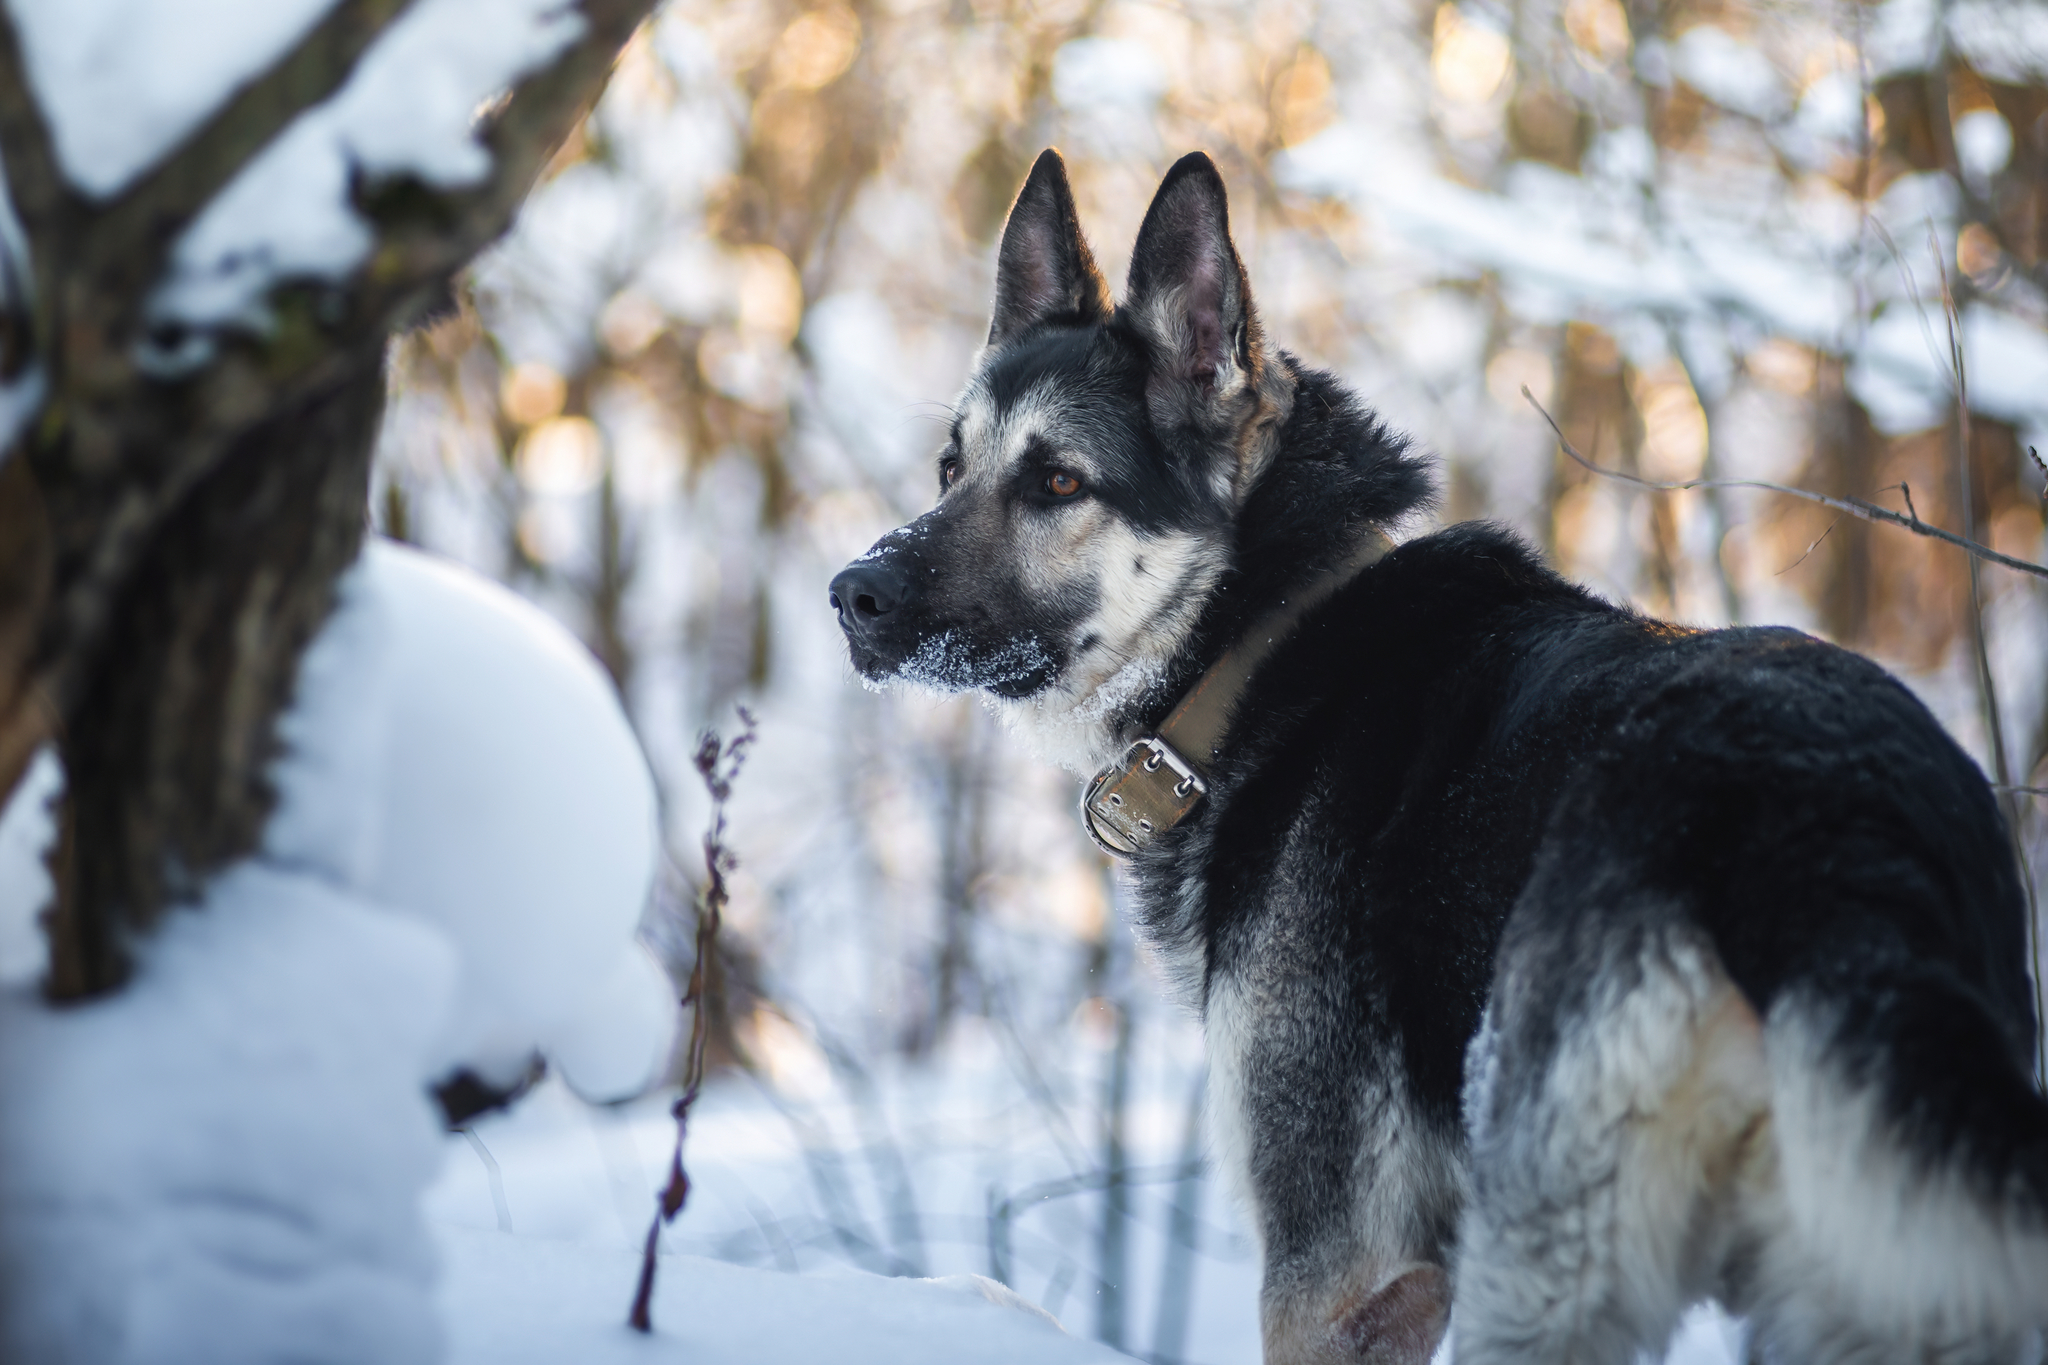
1352,1190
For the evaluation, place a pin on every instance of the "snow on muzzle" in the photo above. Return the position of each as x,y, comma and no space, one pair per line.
915,610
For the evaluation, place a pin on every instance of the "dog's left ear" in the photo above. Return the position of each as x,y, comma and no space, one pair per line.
1189,297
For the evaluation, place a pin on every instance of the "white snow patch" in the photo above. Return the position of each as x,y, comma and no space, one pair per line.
1729,72
1901,374
1099,73
1550,235
26,828
1904,35
2006,40
1983,143
511,1300
224,1161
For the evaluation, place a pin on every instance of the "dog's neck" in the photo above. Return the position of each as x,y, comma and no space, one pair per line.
1336,479
1164,775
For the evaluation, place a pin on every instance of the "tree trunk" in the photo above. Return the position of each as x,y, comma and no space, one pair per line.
169,544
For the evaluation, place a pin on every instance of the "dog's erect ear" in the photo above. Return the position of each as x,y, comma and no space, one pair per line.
1045,270
1187,293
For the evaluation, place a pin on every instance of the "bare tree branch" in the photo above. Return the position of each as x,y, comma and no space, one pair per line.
427,234
1855,507
35,181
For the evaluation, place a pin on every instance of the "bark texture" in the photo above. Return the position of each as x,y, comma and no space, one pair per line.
169,545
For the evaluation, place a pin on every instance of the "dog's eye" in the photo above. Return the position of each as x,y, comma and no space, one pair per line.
1061,484
949,470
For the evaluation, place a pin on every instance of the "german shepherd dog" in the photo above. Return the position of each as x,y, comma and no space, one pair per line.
1587,965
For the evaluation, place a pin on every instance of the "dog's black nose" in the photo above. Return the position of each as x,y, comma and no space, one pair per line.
866,591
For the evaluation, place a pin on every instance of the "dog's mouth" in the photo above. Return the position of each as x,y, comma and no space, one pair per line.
897,633
949,661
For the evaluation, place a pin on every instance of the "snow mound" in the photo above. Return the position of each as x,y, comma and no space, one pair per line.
512,1300
454,754
224,1161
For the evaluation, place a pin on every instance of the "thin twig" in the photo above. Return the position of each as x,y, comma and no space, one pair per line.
1987,682
1809,549
718,764
1855,507
2019,791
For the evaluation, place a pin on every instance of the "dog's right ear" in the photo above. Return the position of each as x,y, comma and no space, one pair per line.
1045,270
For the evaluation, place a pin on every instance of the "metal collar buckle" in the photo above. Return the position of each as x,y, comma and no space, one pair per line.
1140,796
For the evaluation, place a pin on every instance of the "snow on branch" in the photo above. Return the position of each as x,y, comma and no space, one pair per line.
131,233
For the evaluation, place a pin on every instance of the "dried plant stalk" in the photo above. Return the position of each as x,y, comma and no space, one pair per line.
718,763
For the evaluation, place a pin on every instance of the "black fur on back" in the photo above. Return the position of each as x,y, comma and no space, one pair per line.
1467,728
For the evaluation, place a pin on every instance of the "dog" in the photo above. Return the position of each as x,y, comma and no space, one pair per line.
1582,964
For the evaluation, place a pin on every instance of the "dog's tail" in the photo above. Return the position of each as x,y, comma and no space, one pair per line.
1912,1149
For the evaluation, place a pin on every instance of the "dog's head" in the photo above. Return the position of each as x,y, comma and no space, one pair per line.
1095,466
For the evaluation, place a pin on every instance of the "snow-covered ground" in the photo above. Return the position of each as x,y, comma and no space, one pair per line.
509,1301
565,1188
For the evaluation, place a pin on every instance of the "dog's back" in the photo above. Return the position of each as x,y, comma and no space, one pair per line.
1770,972
1750,945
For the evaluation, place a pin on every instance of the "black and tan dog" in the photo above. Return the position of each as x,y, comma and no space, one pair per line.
1588,964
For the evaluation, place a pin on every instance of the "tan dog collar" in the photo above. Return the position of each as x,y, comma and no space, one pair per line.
1164,775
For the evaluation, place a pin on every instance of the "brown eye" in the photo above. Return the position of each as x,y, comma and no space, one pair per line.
1061,484
949,470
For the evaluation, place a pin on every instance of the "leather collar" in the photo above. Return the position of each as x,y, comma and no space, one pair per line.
1163,776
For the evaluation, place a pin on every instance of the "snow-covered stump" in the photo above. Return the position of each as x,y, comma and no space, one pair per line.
219,211
223,1162
216,212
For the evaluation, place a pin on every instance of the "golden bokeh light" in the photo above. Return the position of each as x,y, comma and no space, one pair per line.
1978,253
1469,61
532,392
771,295
1599,28
1783,365
1301,98
629,323
1512,369
561,457
1674,426
815,49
